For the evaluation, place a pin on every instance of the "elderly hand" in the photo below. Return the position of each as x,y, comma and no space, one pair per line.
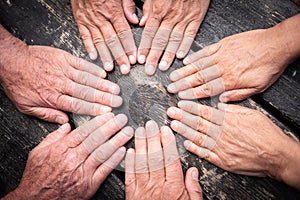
153,169
237,139
240,65
103,27
73,165
41,81
170,25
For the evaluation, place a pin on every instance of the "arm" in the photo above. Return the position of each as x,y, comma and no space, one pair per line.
240,65
44,81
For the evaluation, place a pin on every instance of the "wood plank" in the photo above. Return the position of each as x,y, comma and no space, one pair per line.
49,22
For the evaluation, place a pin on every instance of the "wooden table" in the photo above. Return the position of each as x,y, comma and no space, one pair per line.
50,22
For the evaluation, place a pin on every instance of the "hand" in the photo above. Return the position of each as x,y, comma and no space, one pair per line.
103,26
73,165
41,81
170,25
238,66
153,170
237,139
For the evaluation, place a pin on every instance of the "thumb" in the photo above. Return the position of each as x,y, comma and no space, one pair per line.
192,184
129,11
237,95
49,114
61,132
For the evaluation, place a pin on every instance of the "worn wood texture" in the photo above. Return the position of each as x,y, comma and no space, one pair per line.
50,22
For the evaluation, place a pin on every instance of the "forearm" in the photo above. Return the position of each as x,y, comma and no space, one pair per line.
289,33
10,49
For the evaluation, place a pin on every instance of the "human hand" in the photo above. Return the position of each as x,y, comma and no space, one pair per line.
104,28
153,169
170,25
41,81
234,138
238,66
73,165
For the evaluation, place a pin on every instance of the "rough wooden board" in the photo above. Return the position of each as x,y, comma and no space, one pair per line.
52,21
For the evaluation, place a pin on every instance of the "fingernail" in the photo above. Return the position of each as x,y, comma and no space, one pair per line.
175,125
223,97
116,89
108,66
187,144
195,174
130,151
93,54
174,76
171,88
186,94
142,59
128,131
60,120
152,128
116,101
121,119
140,133
135,17
132,59
222,106
165,130
125,69
171,112
105,109
63,128
163,65
186,60
150,70
180,54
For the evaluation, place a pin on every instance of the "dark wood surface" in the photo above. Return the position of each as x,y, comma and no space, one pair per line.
50,22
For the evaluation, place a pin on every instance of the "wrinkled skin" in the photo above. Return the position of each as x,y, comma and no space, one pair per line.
153,169
101,24
44,81
72,165
237,139
170,25
240,65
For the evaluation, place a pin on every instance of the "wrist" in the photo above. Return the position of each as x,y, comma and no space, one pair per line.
11,49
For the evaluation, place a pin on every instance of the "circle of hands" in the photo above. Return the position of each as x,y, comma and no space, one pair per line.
229,136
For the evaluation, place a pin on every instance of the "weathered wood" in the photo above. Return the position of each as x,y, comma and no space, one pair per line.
50,22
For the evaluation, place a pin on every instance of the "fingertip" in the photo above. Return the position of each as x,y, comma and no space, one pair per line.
135,19
93,54
125,69
171,112
143,21
142,59
108,66
65,128
61,119
150,69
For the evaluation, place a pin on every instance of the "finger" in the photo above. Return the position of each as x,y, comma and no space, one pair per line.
189,35
113,43
87,41
105,56
82,132
145,44
92,95
155,154
106,168
130,179
82,107
199,78
92,81
195,149
171,158
55,136
192,184
129,11
159,43
141,165
231,108
103,133
195,122
196,137
173,44
209,89
211,114
192,68
103,152
128,43
85,66
237,95
205,52
48,114
147,8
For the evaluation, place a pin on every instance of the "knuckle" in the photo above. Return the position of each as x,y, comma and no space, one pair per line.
199,77
100,155
202,91
199,124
